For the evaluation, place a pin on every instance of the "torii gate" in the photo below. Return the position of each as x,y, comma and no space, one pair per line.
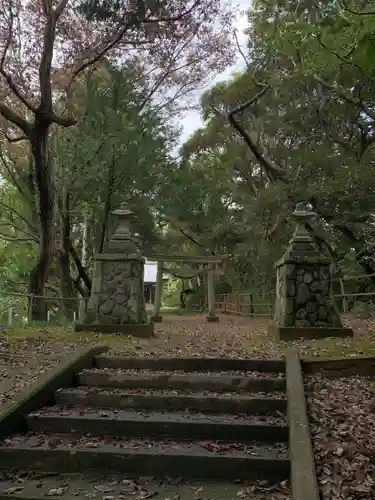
209,261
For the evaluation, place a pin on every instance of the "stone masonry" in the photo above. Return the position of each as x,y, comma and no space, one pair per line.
117,288
303,295
116,304
303,290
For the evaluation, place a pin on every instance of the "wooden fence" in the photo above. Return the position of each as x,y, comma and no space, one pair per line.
352,294
242,304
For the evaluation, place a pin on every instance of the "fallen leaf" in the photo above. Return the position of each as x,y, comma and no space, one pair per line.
14,489
56,492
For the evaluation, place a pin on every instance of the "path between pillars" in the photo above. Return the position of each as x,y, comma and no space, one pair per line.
192,335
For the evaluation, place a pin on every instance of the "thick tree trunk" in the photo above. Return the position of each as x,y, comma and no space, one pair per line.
46,214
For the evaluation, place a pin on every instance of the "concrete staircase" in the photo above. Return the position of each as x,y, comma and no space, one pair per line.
141,427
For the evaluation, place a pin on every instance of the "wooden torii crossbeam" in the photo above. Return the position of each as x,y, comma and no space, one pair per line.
194,259
209,260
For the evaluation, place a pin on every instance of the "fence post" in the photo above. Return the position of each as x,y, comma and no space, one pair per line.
343,298
30,309
48,316
251,305
10,316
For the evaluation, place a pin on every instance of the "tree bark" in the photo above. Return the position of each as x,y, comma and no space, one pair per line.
110,179
46,210
84,262
106,210
81,270
271,169
67,291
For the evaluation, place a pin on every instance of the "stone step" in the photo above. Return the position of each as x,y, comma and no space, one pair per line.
168,373
39,486
197,382
170,400
191,364
158,424
88,455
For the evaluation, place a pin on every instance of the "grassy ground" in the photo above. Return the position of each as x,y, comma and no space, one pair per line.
27,353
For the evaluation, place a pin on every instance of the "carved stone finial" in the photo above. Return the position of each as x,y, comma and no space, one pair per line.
303,211
122,211
122,240
304,306
302,214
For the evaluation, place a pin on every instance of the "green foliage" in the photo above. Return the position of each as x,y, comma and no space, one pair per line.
119,152
171,293
316,123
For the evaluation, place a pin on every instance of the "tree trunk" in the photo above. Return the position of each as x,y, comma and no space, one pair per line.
67,291
111,176
84,261
107,203
46,215
106,210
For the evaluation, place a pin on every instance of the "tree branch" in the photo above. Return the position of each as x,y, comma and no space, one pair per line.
12,176
20,216
344,6
14,139
343,59
9,238
81,270
272,170
13,87
358,103
193,240
11,224
63,121
80,289
239,48
60,8
16,119
116,38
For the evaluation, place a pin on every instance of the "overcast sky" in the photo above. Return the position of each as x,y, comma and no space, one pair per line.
192,120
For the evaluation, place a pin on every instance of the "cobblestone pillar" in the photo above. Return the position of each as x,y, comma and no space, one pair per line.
304,307
117,304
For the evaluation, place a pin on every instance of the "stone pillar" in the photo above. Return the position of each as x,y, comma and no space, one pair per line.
211,296
117,303
304,307
156,318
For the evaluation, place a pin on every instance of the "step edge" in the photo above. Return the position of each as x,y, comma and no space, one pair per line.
161,422
98,451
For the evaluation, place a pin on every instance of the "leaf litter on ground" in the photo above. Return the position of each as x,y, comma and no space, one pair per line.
28,353
342,420
113,487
